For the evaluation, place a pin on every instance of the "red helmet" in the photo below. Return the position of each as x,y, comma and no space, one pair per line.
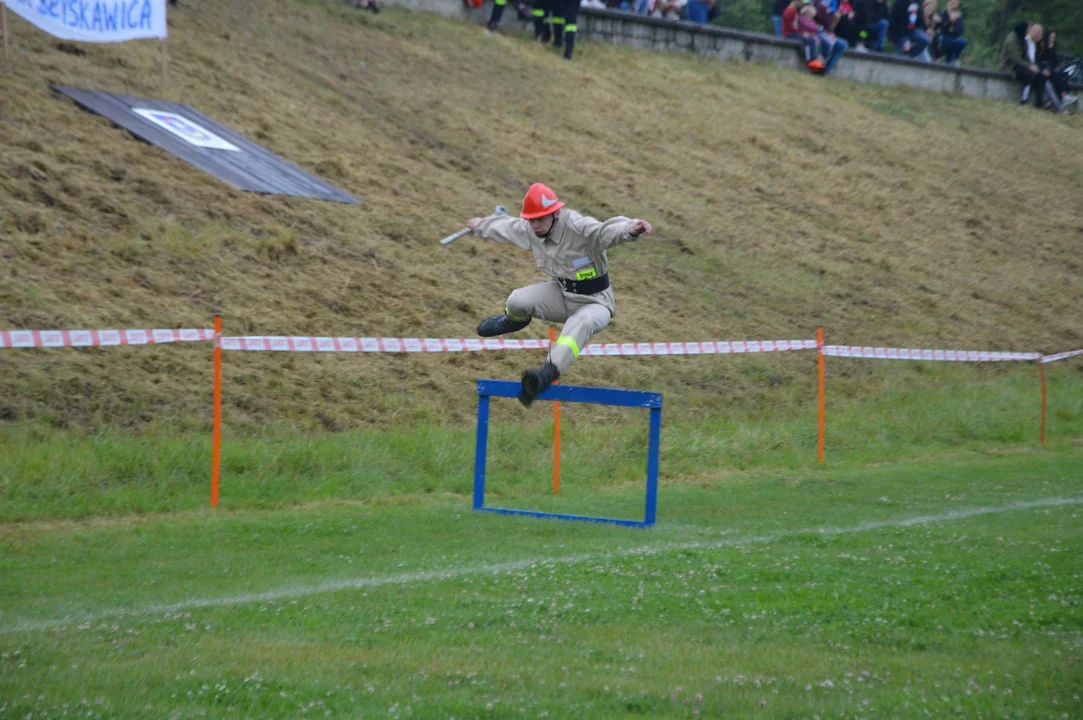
539,202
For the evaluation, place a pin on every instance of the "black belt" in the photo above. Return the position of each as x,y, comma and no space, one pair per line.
586,287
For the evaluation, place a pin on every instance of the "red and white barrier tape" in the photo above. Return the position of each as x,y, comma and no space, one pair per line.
1061,356
878,353
366,344
93,338
718,347
303,343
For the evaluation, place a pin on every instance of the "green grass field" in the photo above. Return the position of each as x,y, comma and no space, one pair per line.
927,589
876,413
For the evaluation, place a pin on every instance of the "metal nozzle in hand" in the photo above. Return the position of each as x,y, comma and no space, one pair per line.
498,211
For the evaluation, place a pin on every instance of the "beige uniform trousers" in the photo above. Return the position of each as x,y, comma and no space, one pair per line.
583,316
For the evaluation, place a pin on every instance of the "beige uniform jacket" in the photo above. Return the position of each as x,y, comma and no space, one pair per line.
574,250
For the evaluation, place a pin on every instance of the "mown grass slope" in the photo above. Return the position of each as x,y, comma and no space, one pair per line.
781,202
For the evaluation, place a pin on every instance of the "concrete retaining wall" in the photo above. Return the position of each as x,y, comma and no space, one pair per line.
621,28
727,44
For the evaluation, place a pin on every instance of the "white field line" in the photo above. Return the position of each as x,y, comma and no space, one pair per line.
408,578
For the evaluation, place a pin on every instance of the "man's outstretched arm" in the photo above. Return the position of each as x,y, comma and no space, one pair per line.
614,231
502,229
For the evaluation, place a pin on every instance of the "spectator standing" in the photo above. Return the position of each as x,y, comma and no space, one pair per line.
907,28
789,18
861,25
875,25
932,21
668,9
777,10
849,24
929,10
831,45
498,13
697,11
557,19
543,15
951,32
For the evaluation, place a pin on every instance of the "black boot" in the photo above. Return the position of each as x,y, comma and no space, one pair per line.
535,382
569,45
541,28
500,325
494,19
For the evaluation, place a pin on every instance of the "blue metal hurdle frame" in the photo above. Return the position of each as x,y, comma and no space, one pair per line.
571,393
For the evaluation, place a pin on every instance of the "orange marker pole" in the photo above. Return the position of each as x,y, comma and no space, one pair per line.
1041,372
556,426
820,362
216,452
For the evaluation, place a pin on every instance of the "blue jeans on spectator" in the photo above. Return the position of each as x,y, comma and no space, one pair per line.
643,7
777,20
918,40
832,51
954,49
878,35
696,11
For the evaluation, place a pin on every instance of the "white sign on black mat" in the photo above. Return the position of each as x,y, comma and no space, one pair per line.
185,129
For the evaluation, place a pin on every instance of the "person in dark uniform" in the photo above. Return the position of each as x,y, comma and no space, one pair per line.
498,12
557,19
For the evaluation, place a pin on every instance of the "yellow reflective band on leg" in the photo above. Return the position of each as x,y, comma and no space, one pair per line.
517,319
570,342
558,20
500,2
538,13
571,28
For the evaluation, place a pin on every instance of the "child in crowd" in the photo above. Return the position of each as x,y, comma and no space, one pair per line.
809,31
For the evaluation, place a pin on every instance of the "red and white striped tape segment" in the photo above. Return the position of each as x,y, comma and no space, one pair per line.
716,347
302,343
877,353
367,344
1061,356
93,338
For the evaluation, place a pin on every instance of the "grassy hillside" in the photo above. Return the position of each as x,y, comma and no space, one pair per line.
781,202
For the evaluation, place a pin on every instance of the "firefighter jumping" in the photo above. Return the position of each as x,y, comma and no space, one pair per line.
571,249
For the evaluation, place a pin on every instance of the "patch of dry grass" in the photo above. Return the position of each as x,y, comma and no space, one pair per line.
781,202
